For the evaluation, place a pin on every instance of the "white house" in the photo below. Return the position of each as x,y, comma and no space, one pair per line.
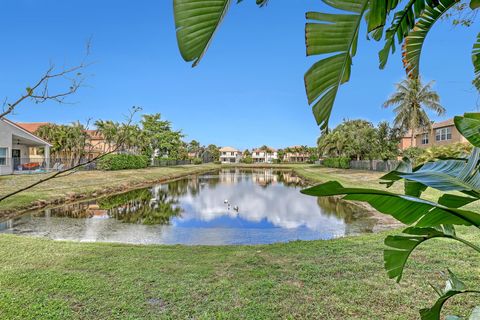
15,144
264,155
230,155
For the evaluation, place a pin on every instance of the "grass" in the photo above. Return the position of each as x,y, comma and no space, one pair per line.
85,183
335,279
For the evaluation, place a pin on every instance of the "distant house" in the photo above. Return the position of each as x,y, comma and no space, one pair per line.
16,145
442,133
296,154
230,155
264,155
97,144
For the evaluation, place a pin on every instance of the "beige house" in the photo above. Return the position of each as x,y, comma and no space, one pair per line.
230,155
442,133
295,154
264,155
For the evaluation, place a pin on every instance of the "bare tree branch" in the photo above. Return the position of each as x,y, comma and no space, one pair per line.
40,91
74,168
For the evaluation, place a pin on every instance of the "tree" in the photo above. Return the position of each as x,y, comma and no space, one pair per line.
387,141
352,139
410,101
161,140
214,152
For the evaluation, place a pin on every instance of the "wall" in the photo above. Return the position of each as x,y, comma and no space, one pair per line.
6,142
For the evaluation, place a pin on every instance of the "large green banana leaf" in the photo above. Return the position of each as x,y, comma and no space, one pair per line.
196,22
415,39
453,287
476,62
401,246
445,175
469,127
335,35
406,209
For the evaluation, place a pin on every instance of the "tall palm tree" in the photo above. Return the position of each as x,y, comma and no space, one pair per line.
410,101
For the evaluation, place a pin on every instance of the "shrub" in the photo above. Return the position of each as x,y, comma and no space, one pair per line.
338,162
197,161
217,162
247,160
122,161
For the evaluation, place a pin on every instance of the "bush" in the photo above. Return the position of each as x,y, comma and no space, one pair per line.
338,162
247,160
217,162
197,161
122,161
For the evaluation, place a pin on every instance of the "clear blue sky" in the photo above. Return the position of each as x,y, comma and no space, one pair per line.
248,90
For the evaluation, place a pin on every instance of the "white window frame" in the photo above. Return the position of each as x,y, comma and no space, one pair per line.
443,134
6,157
425,138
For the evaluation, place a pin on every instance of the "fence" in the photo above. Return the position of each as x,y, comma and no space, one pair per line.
374,165
168,163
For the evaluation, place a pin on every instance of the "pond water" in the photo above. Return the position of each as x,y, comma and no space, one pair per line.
232,206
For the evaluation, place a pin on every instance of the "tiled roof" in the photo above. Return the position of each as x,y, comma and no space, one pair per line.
31,126
228,149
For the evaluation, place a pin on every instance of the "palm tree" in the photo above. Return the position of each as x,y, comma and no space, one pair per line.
410,101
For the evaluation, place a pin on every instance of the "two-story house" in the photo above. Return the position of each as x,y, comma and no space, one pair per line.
442,133
296,154
230,155
264,155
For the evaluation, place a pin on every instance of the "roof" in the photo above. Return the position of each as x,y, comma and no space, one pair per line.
270,149
228,149
435,125
24,130
31,126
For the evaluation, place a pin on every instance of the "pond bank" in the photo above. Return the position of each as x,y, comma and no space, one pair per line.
83,185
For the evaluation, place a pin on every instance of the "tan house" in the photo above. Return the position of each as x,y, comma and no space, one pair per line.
97,144
230,155
442,133
295,154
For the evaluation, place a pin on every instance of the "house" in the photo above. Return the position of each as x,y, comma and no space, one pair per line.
230,155
442,133
97,144
16,145
296,154
264,155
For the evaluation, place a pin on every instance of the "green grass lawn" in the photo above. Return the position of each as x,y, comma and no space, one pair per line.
334,279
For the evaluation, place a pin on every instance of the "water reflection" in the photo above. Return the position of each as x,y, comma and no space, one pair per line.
232,206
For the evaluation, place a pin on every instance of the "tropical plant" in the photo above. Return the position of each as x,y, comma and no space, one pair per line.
333,36
161,140
122,162
426,219
410,101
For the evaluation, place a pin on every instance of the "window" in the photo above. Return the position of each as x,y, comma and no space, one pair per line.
3,156
443,134
425,138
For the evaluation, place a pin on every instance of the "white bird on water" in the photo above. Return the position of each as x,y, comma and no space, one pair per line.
235,208
225,201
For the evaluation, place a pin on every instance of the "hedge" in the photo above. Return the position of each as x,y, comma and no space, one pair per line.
339,162
122,161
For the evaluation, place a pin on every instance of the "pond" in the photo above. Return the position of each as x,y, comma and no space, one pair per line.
231,206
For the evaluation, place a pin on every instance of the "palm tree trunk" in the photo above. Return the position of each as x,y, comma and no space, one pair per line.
412,138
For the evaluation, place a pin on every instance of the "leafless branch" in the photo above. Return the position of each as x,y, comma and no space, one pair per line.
63,173
40,92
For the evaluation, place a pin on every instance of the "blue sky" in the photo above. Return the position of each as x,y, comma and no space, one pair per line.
248,90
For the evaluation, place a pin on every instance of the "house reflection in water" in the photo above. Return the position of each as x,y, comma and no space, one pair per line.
192,210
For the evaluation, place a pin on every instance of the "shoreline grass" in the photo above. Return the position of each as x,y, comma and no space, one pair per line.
325,279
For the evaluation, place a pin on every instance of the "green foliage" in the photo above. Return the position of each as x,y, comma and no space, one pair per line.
427,219
337,162
359,139
68,141
197,161
456,150
161,140
413,153
122,161
247,160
